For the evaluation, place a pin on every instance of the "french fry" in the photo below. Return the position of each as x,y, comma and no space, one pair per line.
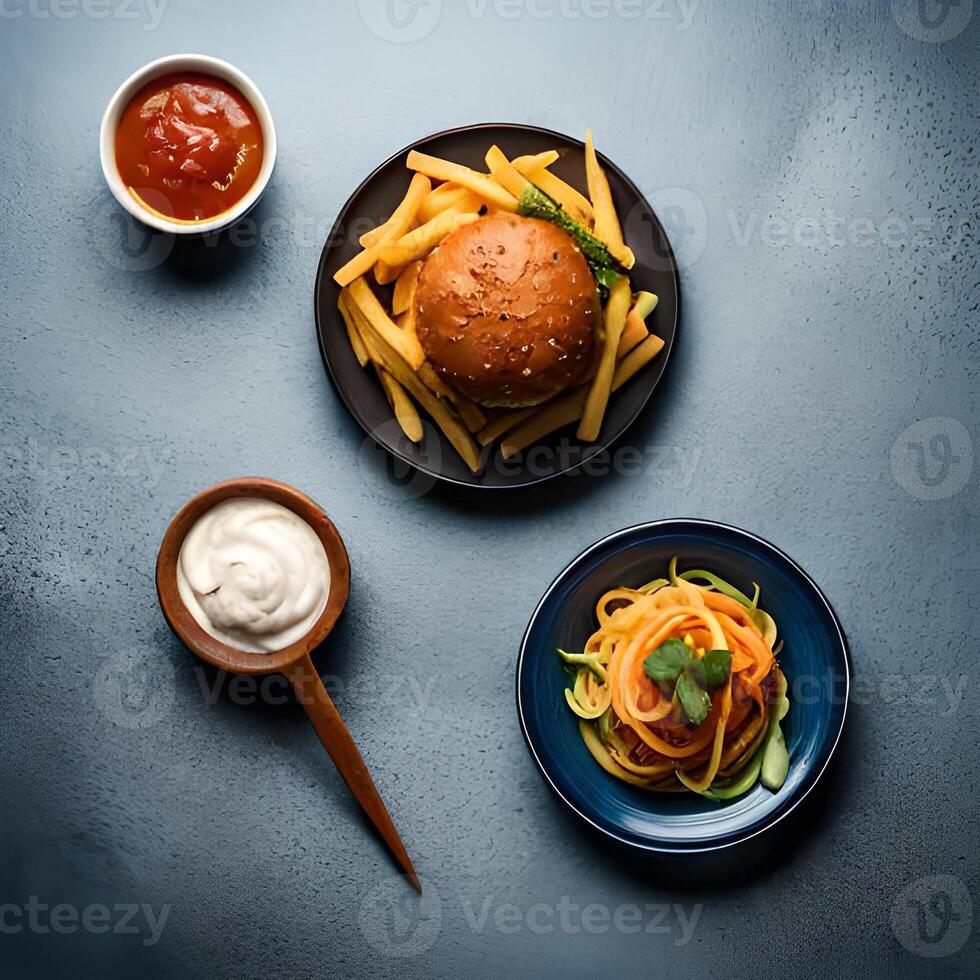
535,161
495,428
362,299
607,228
392,229
385,273
357,345
468,205
481,184
418,190
469,411
404,294
454,430
361,264
636,360
422,240
471,414
634,333
554,415
445,196
505,173
567,409
435,384
401,404
406,321
405,411
644,304
576,204
617,307
448,188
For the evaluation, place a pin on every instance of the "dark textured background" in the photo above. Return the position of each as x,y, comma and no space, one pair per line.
816,165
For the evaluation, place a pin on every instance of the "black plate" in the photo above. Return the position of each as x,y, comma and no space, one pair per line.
374,200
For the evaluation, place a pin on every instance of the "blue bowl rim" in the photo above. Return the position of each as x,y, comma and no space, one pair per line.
655,846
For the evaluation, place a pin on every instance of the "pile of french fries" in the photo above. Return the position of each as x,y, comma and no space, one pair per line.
442,196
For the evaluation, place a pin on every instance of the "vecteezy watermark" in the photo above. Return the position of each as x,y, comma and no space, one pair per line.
403,469
828,229
134,690
402,21
397,922
679,13
148,12
380,690
593,918
125,243
400,924
41,470
944,692
933,916
933,458
137,689
128,918
940,691
685,222
407,467
932,21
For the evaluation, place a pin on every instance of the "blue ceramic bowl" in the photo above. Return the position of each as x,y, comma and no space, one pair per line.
814,658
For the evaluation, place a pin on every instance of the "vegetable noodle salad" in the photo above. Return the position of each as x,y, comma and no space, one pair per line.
678,689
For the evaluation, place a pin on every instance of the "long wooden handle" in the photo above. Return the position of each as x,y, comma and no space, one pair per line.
341,748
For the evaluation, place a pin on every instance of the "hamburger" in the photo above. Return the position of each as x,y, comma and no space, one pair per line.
507,311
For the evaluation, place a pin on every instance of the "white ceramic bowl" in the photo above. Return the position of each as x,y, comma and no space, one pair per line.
165,66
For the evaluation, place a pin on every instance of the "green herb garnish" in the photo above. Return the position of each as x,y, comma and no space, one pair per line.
534,203
694,699
716,664
673,665
664,665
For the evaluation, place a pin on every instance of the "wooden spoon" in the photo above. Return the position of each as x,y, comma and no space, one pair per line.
293,661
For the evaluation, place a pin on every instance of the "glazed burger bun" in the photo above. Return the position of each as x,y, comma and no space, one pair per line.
507,310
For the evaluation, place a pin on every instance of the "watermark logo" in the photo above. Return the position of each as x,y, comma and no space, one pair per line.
933,458
400,21
827,229
403,21
53,465
127,244
408,693
679,13
594,919
400,924
400,480
932,21
387,475
148,12
39,918
685,220
933,916
397,922
135,690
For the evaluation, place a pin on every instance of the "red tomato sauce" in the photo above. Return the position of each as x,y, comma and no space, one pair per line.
189,146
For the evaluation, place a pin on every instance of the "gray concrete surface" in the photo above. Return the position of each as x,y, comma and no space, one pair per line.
816,164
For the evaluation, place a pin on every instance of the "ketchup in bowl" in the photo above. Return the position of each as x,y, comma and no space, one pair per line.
189,146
